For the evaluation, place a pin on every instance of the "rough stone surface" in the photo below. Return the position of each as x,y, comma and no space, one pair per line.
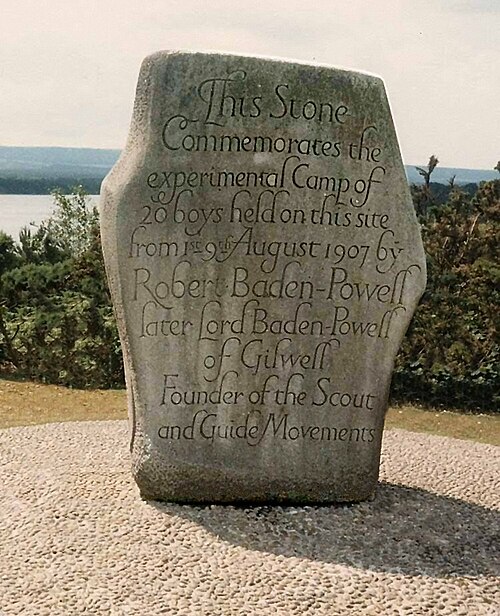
265,261
75,538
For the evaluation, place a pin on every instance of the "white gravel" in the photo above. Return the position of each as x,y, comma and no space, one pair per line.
75,538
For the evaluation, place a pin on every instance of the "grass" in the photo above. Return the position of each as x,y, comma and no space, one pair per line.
481,428
25,403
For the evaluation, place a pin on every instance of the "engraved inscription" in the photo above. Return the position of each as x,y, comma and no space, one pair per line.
268,269
249,203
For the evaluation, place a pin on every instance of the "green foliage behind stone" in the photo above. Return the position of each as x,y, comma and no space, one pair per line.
451,354
57,323
56,319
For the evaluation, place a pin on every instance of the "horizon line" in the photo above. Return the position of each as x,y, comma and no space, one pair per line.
115,149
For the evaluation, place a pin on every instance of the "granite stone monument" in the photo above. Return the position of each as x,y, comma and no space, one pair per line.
264,261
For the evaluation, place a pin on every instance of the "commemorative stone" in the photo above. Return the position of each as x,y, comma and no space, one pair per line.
264,261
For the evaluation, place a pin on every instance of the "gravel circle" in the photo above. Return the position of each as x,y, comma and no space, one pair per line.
75,538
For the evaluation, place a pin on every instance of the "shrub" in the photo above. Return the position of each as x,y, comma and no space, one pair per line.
57,324
56,319
451,353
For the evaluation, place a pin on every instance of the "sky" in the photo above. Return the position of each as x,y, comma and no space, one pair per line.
69,68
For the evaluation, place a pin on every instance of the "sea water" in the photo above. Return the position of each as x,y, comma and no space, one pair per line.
17,211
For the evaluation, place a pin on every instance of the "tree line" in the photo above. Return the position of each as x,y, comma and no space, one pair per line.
14,185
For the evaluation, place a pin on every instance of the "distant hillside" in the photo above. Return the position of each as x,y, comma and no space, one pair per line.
56,162
441,175
36,171
26,170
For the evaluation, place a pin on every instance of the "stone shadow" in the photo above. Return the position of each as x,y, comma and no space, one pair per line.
404,530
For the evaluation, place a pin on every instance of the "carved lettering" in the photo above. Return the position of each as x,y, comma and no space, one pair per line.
265,262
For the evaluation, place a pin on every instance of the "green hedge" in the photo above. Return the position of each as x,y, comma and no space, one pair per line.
451,353
57,325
